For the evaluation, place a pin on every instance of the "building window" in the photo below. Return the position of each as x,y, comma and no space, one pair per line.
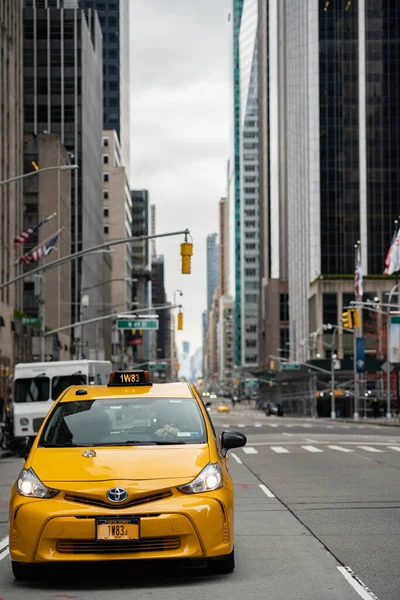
106,212
105,194
329,309
105,159
106,229
284,342
105,177
284,307
105,142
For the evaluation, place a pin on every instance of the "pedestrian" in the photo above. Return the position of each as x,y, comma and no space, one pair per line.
375,408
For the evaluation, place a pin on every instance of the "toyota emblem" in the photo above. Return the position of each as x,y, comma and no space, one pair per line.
117,495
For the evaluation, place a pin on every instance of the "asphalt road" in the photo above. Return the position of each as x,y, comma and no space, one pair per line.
315,503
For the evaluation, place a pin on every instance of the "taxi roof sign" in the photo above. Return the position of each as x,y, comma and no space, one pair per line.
129,378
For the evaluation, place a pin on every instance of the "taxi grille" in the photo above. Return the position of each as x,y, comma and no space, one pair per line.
104,504
160,544
37,424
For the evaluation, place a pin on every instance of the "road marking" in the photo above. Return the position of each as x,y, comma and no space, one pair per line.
340,449
272,425
357,584
266,491
310,441
3,548
250,450
225,424
330,426
257,425
241,425
370,449
288,434
280,450
236,458
394,448
306,425
312,449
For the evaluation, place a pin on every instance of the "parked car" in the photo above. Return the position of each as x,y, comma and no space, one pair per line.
274,409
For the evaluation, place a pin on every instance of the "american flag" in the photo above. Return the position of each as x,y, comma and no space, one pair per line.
358,276
392,257
38,253
25,235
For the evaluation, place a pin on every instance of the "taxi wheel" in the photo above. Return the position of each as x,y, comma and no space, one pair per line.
221,564
24,571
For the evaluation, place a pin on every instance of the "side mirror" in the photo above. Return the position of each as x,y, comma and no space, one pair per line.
232,439
20,446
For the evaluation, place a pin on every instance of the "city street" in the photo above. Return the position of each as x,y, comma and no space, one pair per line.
311,499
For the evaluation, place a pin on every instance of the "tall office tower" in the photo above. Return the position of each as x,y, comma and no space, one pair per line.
223,247
11,164
63,95
212,268
237,8
249,184
343,135
273,328
114,21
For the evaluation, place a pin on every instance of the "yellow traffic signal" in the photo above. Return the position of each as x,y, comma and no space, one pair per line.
180,321
347,319
186,253
356,318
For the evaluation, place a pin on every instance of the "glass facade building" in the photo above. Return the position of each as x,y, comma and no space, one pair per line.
212,269
249,184
237,9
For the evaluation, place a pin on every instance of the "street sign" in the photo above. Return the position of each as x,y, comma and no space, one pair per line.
290,366
30,321
138,324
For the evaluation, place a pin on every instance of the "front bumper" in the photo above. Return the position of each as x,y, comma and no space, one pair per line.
180,526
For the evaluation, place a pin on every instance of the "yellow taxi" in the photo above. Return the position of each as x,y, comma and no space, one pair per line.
126,471
223,407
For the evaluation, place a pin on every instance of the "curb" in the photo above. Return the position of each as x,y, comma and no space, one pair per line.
361,421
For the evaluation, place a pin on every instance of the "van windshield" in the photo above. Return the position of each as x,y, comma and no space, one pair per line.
59,384
32,389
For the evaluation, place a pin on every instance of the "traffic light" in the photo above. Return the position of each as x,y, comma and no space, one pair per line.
186,253
180,321
356,319
347,319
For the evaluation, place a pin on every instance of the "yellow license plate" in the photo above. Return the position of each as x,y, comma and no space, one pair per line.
118,529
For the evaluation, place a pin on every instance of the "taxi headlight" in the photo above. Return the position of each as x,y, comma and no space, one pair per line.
30,485
208,480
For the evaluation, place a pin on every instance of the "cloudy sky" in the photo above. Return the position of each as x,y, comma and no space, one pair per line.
180,131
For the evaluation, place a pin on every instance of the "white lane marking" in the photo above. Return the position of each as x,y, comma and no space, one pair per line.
241,425
310,441
257,425
394,448
340,449
330,426
280,450
306,425
266,491
370,449
357,584
272,425
225,424
250,450
287,425
287,434
4,548
312,449
346,426
236,458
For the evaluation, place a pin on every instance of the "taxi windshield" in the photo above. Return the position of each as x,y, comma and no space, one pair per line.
127,421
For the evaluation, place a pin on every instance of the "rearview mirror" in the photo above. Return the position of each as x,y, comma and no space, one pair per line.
232,439
20,446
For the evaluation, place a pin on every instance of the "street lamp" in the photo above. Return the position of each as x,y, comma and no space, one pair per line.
37,171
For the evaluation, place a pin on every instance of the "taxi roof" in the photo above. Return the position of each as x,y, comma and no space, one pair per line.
157,390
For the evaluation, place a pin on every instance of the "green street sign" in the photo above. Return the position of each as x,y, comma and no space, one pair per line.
138,324
157,366
30,321
290,366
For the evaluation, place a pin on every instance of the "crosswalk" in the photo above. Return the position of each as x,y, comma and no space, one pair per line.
317,449
219,421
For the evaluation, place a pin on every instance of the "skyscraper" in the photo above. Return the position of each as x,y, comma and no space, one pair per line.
114,21
223,247
212,268
342,112
63,95
249,184
237,9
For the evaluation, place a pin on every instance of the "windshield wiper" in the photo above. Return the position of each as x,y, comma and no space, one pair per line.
60,445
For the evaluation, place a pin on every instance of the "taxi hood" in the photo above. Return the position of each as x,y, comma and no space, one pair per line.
137,463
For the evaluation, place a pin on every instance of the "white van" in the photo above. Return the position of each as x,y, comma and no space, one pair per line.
37,385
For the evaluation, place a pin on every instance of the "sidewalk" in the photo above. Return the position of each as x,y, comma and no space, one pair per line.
382,421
